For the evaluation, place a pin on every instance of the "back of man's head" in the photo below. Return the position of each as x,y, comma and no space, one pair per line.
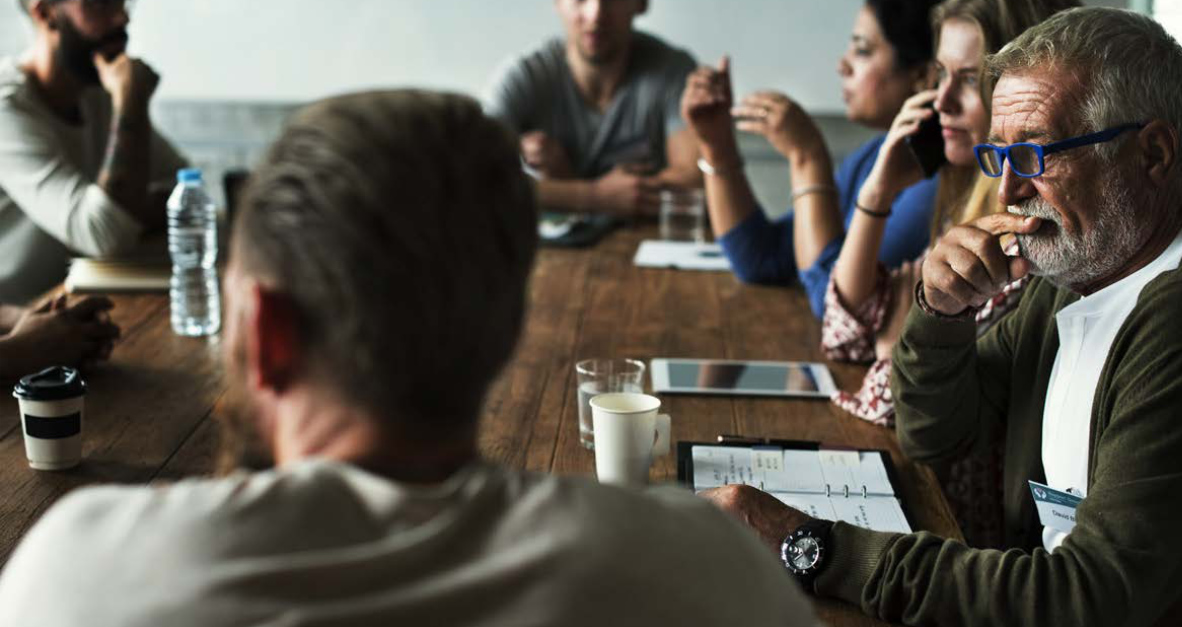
1129,67
400,226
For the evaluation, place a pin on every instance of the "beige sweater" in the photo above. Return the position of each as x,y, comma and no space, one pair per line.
323,543
51,209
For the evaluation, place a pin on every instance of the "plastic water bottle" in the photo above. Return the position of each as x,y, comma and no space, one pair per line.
193,246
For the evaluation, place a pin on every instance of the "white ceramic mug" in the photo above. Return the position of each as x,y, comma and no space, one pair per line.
629,433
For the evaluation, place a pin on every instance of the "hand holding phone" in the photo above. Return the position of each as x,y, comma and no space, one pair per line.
927,146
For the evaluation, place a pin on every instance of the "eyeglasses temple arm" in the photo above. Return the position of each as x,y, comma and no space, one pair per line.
1090,138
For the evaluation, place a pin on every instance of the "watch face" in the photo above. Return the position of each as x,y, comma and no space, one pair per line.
804,552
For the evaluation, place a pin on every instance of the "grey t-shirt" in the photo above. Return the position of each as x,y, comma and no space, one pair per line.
322,543
537,92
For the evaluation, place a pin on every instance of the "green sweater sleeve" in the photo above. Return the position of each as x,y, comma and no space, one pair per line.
948,386
1122,563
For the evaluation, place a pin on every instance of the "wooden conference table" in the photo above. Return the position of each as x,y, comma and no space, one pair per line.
148,410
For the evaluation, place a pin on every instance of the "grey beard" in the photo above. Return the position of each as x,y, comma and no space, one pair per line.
1074,259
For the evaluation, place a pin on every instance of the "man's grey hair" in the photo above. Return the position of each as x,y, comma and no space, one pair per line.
402,229
1129,66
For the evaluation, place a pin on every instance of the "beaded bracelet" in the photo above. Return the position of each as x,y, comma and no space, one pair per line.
969,313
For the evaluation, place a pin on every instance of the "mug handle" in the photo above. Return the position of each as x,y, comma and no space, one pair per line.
661,438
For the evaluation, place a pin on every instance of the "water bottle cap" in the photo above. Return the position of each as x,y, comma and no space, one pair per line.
188,175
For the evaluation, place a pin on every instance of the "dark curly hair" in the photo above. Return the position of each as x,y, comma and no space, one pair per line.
907,27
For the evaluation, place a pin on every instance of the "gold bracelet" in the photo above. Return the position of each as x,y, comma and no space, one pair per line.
813,189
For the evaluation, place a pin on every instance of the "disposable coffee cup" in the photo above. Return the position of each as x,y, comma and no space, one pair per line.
51,417
629,433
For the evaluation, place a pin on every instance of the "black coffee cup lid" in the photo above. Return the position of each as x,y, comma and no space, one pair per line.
52,384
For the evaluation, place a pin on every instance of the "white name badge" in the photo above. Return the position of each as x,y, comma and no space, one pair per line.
1056,508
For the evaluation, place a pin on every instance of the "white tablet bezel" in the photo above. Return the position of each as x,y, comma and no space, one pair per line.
659,370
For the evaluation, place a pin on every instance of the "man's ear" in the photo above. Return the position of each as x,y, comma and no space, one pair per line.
274,342
1158,145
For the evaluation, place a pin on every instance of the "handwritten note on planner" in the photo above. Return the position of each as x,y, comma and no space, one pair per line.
850,486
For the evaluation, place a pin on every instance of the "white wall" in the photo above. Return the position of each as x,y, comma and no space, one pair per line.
302,49
1169,13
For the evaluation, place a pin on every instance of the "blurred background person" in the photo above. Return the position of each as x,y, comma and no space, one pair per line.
82,171
598,112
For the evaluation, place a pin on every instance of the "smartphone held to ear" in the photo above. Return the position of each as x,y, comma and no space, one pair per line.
927,145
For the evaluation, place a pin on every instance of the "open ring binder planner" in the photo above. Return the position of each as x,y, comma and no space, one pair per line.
854,486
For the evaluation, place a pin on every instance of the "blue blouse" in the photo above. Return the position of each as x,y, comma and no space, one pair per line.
761,251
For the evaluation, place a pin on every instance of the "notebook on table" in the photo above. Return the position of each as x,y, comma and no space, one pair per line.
146,268
853,486
89,276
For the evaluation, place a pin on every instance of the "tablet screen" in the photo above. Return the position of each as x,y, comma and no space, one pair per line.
745,377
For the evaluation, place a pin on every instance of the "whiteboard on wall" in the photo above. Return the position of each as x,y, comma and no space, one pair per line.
302,49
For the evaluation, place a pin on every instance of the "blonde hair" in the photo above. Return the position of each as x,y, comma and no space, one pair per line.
964,194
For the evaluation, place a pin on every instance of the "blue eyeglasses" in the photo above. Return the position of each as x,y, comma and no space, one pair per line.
1029,160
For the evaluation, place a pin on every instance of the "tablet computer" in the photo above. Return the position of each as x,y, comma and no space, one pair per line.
745,378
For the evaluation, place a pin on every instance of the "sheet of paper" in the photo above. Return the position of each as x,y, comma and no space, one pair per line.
855,470
716,466
777,470
877,513
815,505
768,468
769,459
802,473
680,255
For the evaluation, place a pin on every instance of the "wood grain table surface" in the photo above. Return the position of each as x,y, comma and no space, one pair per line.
148,411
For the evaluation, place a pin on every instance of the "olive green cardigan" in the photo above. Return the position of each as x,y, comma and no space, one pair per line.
1122,563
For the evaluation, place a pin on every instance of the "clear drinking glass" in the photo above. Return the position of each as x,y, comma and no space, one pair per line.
601,376
683,215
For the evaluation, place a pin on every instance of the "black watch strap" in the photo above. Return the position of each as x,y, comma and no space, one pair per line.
819,531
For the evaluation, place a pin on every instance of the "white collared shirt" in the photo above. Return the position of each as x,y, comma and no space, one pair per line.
1087,329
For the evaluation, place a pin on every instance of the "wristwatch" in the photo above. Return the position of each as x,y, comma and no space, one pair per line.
805,551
